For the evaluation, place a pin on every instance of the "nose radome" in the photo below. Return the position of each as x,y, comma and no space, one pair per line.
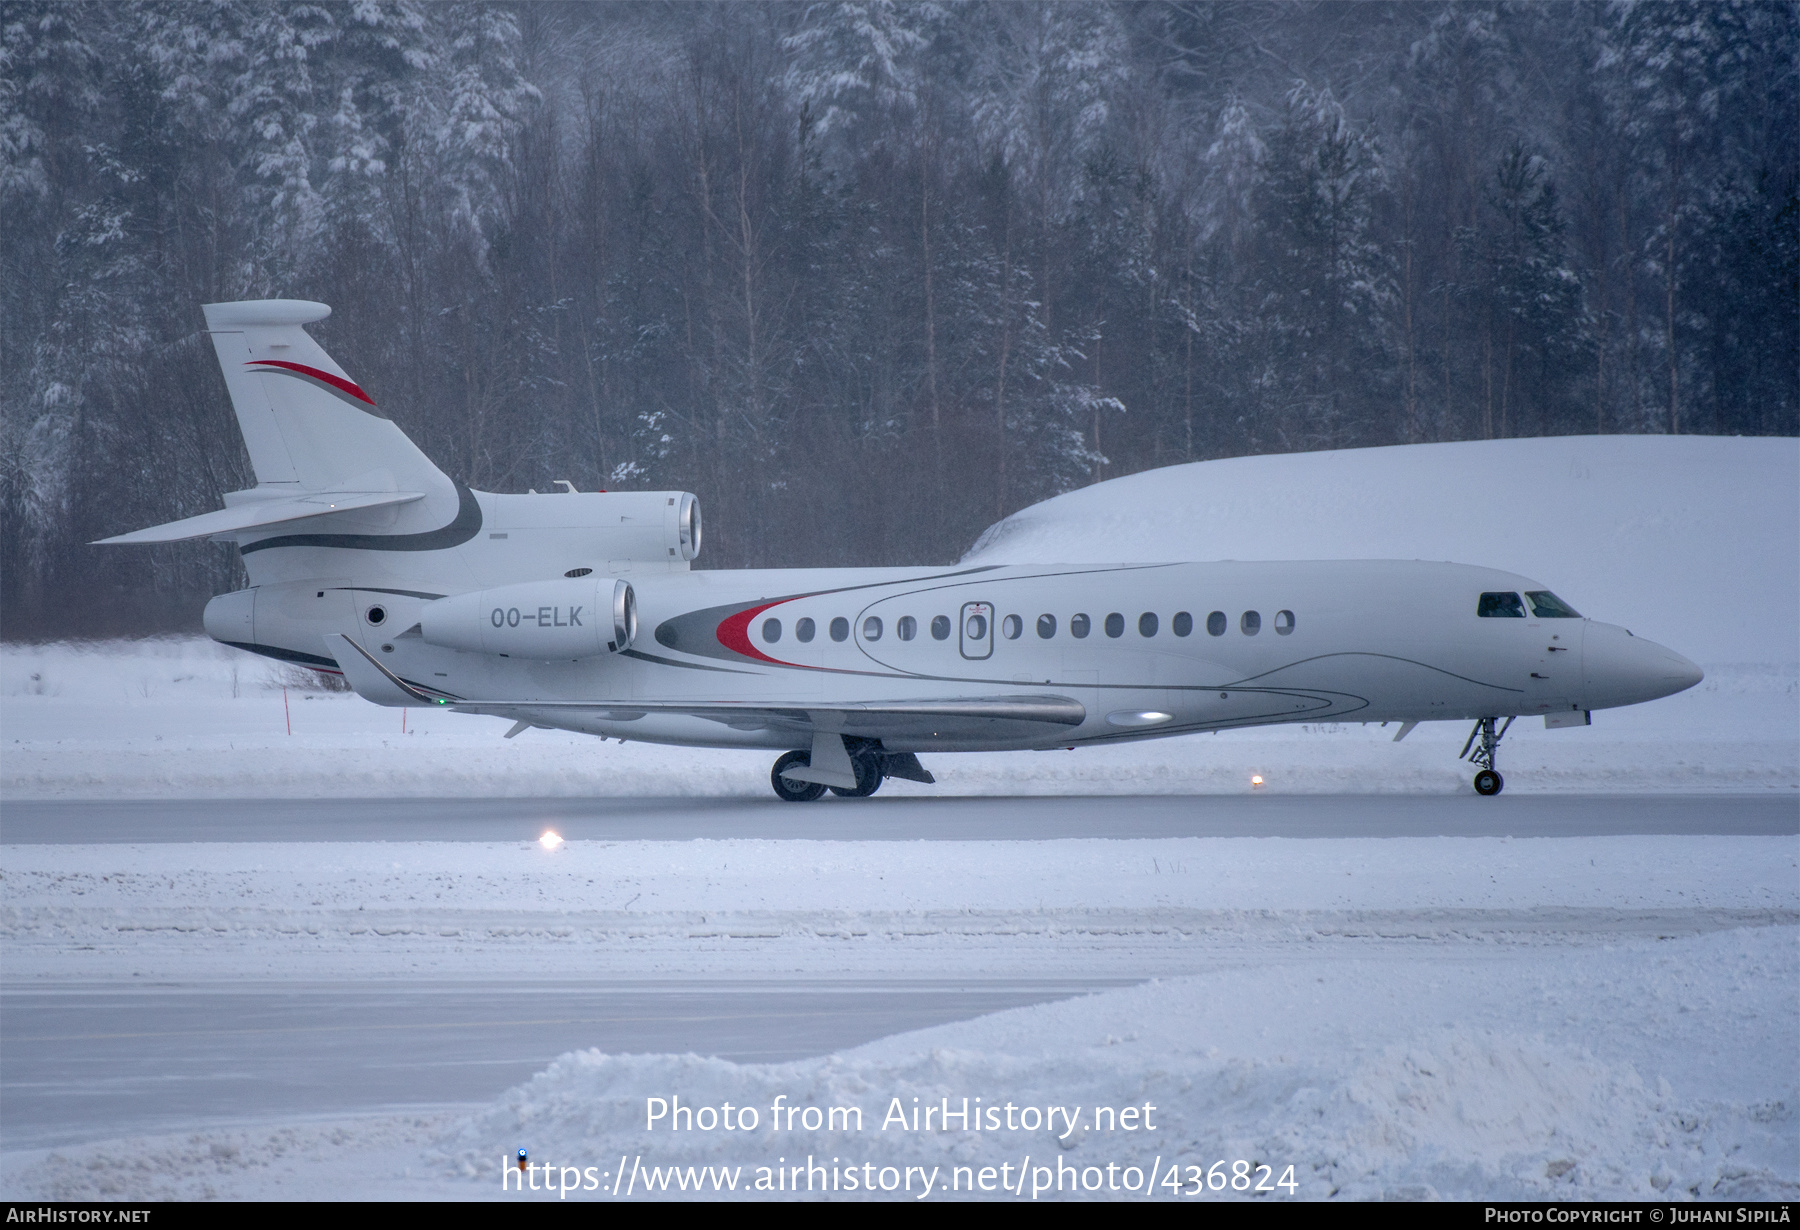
1682,673
1623,669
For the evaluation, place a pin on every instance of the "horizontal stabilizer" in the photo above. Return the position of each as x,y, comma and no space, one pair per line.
263,513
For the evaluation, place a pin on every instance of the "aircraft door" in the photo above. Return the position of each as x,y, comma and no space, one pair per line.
1555,681
976,631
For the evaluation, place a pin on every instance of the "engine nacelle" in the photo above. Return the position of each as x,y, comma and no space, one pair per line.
563,619
590,529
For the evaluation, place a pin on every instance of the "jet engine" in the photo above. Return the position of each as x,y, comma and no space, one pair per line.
562,619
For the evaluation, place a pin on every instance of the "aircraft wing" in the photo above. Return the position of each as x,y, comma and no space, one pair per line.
950,717
263,512
1022,715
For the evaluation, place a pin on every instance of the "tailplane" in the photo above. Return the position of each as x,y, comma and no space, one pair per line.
318,443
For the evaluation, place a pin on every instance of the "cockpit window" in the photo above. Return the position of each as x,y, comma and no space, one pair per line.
1546,605
1500,606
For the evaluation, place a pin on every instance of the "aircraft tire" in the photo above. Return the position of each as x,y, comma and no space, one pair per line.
793,792
868,779
1488,782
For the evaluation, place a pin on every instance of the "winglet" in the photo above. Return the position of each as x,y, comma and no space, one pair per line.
372,681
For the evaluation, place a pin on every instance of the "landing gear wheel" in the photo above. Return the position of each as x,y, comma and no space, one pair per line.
794,792
868,778
1483,742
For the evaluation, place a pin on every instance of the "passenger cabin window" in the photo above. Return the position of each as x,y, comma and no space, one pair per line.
1216,623
907,628
1078,626
872,628
1115,625
1546,605
1284,622
940,628
1147,624
1046,626
771,630
1251,623
840,629
1500,606
803,630
1012,627
1182,624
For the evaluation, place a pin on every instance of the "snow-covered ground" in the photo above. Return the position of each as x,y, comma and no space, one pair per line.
1081,907
1557,1018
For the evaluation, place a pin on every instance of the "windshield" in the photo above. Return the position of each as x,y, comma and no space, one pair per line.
1500,606
1546,605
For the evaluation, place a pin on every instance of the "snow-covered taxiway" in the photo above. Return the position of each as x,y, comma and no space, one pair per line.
1453,1010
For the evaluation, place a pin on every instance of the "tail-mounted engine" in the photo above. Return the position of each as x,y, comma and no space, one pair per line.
607,531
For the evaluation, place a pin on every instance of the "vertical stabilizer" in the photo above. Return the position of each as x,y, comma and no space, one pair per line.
306,424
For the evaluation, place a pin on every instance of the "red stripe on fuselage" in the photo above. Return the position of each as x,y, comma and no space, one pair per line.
734,633
336,382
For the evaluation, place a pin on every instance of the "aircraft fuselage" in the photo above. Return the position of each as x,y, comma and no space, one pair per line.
1147,650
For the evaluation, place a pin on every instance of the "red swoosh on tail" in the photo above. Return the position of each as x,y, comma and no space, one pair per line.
336,382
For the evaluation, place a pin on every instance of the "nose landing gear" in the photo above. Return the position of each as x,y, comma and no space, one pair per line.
1479,750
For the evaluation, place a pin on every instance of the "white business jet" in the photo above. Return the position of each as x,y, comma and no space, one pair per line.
577,611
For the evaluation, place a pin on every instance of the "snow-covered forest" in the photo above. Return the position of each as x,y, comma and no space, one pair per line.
867,276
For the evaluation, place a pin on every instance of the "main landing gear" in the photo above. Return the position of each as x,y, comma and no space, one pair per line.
869,764
1479,750
794,792
868,779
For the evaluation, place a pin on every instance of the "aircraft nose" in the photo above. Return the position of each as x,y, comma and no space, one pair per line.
1623,669
1682,673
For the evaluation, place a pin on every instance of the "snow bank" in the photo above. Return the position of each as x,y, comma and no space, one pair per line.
1469,1018
1693,541
1370,1078
1643,1069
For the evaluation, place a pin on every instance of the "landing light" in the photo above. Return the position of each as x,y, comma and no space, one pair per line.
550,840
1256,780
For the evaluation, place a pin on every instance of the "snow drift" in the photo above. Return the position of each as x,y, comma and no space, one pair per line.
1692,541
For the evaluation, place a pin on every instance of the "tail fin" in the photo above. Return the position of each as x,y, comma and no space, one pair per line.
306,423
